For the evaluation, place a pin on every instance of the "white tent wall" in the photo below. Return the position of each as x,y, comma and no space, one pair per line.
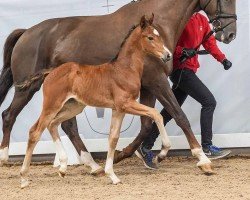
230,88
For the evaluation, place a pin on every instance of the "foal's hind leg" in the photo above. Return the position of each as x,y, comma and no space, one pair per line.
70,128
63,158
20,100
34,136
71,109
116,122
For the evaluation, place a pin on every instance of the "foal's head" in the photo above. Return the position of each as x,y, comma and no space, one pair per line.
151,40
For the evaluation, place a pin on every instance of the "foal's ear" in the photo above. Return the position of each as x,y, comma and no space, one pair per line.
144,22
151,20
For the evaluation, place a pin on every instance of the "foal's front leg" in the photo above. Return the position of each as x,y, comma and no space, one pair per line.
116,122
135,108
146,98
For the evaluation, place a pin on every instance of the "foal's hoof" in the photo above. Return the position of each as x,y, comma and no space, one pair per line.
24,183
158,159
207,169
99,172
61,173
116,182
2,163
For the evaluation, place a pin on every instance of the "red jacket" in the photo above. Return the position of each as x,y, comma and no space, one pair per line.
196,29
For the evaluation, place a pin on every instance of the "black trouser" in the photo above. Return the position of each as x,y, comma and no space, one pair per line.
189,84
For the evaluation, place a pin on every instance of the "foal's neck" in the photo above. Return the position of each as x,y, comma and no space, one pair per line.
131,54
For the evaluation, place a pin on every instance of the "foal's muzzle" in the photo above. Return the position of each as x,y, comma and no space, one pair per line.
167,56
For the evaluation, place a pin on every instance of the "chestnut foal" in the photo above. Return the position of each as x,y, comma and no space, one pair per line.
69,88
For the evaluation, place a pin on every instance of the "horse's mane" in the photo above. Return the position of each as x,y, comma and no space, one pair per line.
124,41
134,1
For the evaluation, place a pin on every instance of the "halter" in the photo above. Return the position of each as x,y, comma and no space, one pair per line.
215,21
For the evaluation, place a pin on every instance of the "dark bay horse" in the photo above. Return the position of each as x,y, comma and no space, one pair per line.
57,41
69,88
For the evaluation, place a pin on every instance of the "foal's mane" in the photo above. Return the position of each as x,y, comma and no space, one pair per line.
124,41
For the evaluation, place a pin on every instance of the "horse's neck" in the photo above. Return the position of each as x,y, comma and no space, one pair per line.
188,8
174,14
131,54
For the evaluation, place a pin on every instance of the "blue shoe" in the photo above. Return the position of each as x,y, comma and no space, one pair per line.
214,152
146,155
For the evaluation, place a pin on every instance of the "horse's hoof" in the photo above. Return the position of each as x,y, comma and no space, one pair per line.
24,183
3,157
3,162
207,169
98,173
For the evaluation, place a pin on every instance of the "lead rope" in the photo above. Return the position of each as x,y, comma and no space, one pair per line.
106,133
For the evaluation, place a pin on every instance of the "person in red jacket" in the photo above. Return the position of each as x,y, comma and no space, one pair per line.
186,83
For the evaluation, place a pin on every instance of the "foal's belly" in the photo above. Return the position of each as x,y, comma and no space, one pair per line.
95,98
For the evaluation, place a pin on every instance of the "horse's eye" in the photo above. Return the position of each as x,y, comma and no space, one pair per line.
150,38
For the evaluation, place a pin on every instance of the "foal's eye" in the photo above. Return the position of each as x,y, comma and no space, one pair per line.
150,38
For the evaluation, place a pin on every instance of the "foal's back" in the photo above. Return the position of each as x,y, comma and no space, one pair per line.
93,86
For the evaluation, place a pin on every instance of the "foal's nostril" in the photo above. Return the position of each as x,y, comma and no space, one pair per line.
166,57
169,56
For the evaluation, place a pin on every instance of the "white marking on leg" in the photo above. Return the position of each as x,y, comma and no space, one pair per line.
156,32
4,155
25,167
203,159
110,172
88,160
24,171
163,153
115,128
166,144
62,155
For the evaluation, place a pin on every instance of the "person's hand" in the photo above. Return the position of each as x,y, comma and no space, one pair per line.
227,64
188,53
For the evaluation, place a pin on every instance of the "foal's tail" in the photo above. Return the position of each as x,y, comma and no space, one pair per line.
37,77
6,78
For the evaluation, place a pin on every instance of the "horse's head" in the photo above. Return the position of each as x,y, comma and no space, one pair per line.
222,15
151,40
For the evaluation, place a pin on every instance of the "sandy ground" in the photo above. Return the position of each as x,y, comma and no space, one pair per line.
177,179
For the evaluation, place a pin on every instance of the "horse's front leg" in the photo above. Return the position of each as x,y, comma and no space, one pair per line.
147,99
163,92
